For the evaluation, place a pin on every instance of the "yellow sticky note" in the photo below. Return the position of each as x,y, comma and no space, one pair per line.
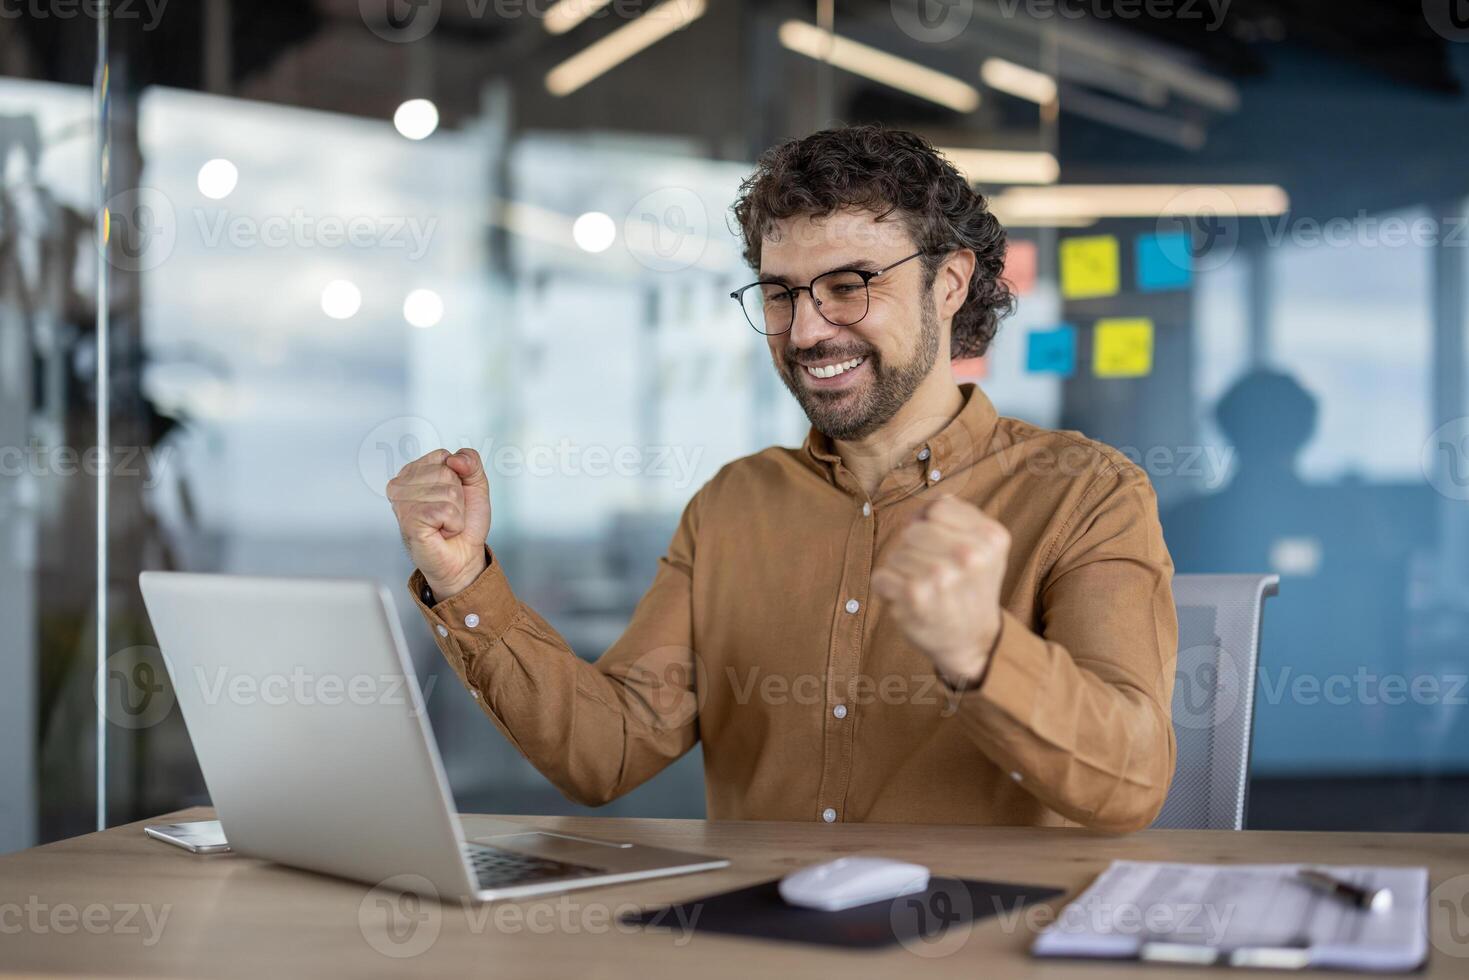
1123,348
1090,267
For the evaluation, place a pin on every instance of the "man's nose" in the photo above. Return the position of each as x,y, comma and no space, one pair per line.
810,327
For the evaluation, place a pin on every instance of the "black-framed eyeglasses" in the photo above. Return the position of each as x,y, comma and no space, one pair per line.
840,296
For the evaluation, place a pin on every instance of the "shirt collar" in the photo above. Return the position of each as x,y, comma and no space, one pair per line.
958,444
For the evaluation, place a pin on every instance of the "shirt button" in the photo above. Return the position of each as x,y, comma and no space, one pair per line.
924,454
443,630
829,815
933,474
1016,776
472,620
840,711
853,605
866,509
474,694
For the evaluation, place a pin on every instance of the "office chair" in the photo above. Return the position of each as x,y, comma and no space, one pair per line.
1219,620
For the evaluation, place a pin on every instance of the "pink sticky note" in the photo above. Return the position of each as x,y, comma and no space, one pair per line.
970,368
1020,266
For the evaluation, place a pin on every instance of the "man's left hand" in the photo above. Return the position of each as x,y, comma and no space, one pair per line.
941,579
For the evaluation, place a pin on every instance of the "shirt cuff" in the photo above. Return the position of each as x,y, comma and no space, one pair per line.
983,671
485,609
1014,678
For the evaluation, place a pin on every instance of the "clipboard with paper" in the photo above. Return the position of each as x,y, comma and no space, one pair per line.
1253,915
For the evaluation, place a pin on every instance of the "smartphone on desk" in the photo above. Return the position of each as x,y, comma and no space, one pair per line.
195,836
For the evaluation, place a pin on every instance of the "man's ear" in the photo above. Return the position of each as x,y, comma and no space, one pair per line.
952,281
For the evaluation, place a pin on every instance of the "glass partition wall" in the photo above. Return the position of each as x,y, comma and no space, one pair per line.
271,252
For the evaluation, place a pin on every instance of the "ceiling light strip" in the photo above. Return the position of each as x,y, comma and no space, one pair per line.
879,66
603,55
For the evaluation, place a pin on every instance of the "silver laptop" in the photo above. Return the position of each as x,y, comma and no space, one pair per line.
310,729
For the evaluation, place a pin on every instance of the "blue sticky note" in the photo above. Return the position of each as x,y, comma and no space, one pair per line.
1052,351
1164,261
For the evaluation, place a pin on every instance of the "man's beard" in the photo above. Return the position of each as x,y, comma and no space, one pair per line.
853,414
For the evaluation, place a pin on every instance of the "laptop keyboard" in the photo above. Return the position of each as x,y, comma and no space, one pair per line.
496,868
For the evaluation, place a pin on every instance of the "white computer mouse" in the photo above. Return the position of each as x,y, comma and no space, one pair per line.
851,881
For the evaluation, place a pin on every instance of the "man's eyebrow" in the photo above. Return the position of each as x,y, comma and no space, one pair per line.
856,265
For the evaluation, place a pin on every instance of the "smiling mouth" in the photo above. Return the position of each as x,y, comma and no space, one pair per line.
832,370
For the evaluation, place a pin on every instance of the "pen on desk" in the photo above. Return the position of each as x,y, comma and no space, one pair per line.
1370,899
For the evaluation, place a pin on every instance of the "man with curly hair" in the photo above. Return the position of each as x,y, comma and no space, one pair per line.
926,613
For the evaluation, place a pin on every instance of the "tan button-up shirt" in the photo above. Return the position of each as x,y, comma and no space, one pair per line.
760,640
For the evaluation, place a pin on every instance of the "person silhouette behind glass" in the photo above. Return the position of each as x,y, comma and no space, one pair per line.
1336,604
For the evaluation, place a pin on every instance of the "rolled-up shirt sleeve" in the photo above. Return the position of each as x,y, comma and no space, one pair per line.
595,730
1077,706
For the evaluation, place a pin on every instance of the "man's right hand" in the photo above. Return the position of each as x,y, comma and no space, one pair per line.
442,502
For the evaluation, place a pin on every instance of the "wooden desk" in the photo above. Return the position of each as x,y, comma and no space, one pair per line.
228,915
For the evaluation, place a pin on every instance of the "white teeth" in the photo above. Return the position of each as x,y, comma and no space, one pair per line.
832,370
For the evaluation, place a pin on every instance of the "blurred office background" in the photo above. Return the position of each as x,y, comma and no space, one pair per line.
340,233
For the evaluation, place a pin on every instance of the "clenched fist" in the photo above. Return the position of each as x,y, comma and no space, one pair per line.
941,578
442,502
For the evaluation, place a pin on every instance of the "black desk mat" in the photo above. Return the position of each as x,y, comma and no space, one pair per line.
920,920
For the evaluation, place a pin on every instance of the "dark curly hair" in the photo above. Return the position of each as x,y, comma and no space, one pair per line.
883,171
